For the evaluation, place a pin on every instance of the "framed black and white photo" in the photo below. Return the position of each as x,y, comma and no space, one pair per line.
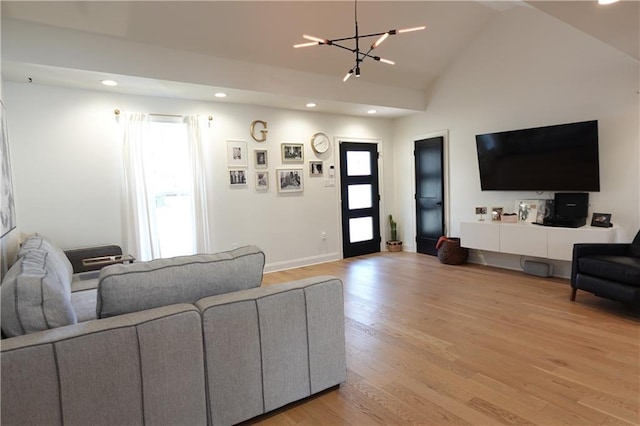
602,220
262,181
260,158
237,155
237,177
315,168
290,180
7,207
292,152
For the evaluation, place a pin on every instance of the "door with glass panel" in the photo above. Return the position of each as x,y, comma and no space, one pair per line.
429,162
360,198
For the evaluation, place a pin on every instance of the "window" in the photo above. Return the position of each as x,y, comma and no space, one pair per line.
169,187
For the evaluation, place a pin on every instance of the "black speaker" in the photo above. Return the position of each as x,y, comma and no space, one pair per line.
571,205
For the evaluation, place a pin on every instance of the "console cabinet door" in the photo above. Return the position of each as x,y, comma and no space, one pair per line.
561,240
480,235
524,239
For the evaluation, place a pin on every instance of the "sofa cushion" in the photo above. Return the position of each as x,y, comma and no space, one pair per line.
84,304
622,269
184,279
33,296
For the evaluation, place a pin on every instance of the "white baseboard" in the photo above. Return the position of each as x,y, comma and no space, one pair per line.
298,263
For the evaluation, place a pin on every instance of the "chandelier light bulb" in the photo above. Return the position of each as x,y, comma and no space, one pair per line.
346,77
408,30
378,42
387,61
313,43
312,38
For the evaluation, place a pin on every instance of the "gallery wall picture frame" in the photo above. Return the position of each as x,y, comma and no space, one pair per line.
602,220
260,159
315,168
262,180
7,206
238,178
237,154
292,152
290,180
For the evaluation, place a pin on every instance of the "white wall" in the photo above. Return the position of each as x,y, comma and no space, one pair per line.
65,145
529,70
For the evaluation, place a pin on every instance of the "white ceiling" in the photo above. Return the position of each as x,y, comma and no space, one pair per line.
248,46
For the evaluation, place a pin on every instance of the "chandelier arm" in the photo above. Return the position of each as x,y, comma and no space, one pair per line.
360,36
343,47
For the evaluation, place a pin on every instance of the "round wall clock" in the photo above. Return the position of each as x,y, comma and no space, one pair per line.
320,143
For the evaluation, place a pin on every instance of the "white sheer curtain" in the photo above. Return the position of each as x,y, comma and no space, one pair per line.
198,184
141,238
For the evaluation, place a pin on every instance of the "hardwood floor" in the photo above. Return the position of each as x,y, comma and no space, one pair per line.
438,344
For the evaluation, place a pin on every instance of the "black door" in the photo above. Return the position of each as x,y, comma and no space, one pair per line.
360,198
429,193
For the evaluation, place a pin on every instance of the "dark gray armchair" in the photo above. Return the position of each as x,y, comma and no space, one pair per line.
607,270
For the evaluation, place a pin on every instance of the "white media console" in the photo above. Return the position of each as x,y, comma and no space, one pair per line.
529,239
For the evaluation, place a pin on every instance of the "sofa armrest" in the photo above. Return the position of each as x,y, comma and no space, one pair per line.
592,249
76,257
279,343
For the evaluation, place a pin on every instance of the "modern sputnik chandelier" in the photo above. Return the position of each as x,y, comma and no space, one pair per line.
360,55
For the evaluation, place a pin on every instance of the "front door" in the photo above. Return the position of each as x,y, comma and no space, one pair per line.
360,198
429,162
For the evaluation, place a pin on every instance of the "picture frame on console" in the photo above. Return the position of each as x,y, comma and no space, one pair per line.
602,220
527,210
496,214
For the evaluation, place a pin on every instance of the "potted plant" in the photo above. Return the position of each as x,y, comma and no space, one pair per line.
394,244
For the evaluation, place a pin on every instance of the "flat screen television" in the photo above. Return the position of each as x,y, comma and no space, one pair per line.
562,157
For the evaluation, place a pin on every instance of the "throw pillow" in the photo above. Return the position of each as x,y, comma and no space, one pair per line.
33,298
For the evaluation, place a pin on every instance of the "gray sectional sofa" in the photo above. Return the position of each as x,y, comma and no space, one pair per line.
192,340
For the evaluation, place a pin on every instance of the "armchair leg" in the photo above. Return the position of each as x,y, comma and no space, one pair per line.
573,293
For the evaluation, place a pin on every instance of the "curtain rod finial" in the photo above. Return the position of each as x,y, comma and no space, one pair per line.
116,111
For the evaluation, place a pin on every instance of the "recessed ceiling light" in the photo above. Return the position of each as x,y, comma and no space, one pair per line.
220,95
109,83
372,111
607,1
311,105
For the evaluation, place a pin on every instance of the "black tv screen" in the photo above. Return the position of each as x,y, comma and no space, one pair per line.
553,158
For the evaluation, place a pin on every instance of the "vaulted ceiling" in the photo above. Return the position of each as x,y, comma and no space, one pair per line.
193,49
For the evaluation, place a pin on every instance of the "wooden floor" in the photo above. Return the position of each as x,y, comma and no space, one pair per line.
436,344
